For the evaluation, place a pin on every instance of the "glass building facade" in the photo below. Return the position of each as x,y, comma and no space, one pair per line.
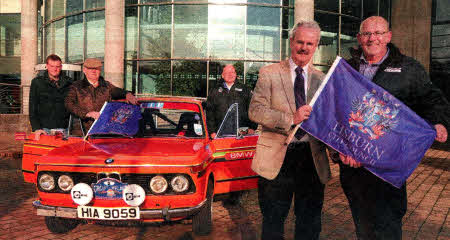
178,47
440,45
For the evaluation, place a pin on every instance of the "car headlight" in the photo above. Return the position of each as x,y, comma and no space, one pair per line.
82,194
179,183
65,183
47,182
158,184
133,195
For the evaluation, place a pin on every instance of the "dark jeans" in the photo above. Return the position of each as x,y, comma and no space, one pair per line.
377,206
297,178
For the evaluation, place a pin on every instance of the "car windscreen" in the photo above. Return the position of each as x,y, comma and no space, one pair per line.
170,119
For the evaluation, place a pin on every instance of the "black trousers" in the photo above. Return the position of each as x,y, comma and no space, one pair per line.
297,178
377,206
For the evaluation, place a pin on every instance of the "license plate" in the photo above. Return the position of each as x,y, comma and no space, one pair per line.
108,213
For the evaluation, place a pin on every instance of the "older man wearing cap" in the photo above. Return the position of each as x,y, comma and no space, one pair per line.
87,96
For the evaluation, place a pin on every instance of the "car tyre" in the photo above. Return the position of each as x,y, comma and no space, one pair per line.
60,225
202,221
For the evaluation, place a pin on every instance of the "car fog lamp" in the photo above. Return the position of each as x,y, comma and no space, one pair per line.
82,194
158,184
179,183
133,195
47,182
65,183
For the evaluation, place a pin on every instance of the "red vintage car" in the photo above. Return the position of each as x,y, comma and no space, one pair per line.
168,171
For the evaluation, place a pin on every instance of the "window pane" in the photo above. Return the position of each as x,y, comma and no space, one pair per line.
189,78
95,4
277,2
156,1
352,7
263,33
287,24
10,36
58,9
370,8
131,2
442,10
154,77
48,10
385,9
130,76
440,41
226,31
131,32
155,31
327,5
350,28
75,38
191,31
202,1
74,6
327,50
440,52
252,71
440,30
95,30
39,20
55,38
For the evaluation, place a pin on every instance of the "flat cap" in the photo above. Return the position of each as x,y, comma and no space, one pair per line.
92,63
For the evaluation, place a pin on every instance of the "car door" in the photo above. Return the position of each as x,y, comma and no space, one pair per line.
33,149
233,153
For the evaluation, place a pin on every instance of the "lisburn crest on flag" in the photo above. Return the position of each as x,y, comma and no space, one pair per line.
360,119
117,118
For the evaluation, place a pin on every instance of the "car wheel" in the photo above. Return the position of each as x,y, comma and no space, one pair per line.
202,221
60,225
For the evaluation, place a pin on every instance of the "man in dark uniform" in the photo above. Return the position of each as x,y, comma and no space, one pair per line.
47,94
223,96
220,98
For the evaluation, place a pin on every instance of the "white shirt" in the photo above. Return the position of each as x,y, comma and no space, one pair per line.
292,67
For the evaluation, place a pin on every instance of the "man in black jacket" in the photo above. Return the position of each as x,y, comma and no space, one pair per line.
378,207
221,97
47,94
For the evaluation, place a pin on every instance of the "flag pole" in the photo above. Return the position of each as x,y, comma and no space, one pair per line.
101,110
316,95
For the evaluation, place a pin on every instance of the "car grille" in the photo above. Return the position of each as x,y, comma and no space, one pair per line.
142,180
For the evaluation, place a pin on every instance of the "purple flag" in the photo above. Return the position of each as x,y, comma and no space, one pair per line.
360,119
117,118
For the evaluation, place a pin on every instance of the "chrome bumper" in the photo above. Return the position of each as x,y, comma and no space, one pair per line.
165,213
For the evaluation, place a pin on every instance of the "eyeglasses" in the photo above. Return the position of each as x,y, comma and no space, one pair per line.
368,34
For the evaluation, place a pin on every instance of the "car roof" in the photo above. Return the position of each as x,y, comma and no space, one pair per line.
171,99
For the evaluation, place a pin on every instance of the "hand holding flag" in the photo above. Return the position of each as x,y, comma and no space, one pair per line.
367,125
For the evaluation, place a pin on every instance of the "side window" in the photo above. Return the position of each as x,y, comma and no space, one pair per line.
229,125
75,128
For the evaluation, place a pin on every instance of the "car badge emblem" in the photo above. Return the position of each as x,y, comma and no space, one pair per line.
109,160
109,189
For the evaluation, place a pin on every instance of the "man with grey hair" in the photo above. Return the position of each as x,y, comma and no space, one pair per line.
298,168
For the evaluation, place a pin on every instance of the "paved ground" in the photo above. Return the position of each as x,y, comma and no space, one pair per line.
428,215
